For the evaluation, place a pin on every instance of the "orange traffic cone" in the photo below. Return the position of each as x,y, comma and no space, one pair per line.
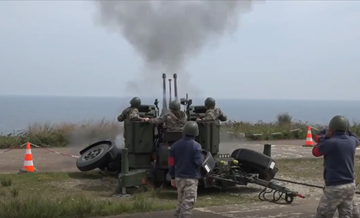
28,160
309,141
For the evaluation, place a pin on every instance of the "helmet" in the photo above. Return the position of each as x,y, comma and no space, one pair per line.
135,102
210,102
339,123
174,105
191,128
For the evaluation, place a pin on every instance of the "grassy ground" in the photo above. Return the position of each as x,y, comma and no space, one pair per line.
86,195
63,134
56,195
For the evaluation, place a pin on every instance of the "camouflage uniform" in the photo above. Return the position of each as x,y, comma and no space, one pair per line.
215,115
187,194
355,206
212,113
355,209
172,123
131,113
339,197
174,120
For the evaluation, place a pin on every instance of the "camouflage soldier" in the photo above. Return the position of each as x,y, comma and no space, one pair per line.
131,113
338,145
212,113
185,160
174,120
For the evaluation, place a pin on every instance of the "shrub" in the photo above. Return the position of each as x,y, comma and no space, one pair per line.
63,134
284,119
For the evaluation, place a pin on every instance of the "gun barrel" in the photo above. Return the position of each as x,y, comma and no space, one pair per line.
175,86
169,91
164,91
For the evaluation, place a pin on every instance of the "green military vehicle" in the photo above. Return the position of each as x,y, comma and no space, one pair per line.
145,154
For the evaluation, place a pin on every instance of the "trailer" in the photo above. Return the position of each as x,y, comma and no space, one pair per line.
144,156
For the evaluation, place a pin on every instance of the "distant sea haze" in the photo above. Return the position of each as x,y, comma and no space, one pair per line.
17,112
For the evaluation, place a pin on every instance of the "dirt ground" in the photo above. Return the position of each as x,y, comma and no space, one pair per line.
45,161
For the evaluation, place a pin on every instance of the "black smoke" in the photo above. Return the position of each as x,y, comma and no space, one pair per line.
166,34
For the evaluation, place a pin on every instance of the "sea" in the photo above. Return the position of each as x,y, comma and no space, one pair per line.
17,112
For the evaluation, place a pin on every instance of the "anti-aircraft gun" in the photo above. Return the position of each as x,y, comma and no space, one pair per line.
144,156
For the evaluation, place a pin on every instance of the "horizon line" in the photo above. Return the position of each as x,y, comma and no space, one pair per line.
223,98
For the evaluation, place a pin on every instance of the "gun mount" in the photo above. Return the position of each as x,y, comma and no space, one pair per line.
144,156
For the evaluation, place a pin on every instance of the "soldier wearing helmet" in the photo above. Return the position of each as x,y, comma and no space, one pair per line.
174,119
212,113
338,145
131,113
185,160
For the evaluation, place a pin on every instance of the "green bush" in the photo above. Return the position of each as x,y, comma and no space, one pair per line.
284,119
60,135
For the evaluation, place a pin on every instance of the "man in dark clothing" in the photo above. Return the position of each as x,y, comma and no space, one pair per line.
338,145
185,160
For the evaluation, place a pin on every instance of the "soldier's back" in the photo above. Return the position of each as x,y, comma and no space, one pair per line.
220,116
214,115
129,114
175,122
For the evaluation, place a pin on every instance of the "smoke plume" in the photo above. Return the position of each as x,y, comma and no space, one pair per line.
166,34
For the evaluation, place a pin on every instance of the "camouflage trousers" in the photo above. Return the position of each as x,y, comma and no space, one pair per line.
187,194
340,197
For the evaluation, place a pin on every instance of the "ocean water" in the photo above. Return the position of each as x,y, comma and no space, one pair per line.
17,112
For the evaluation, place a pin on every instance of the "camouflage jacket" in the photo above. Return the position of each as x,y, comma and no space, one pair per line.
214,115
172,123
129,114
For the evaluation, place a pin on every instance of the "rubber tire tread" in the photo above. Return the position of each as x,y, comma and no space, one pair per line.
97,162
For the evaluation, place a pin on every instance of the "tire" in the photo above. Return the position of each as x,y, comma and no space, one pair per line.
256,163
95,157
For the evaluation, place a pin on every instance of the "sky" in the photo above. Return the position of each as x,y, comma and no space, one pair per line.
280,50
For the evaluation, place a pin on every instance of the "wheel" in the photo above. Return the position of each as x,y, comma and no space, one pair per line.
289,198
95,157
255,162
